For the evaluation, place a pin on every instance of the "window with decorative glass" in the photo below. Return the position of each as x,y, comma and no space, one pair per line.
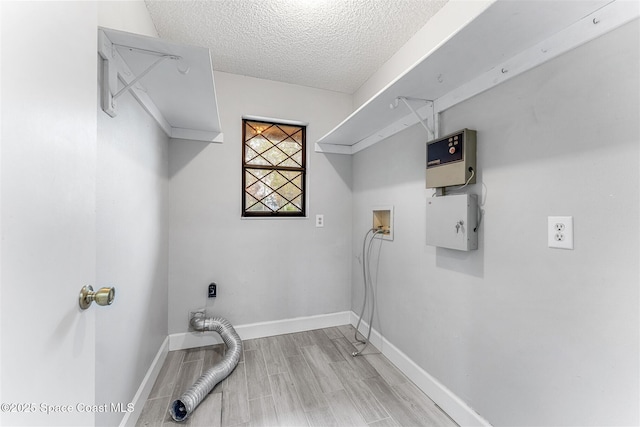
273,169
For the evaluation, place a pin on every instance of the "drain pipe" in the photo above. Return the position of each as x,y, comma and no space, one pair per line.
190,399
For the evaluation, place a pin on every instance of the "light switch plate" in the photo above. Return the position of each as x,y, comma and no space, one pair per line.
560,232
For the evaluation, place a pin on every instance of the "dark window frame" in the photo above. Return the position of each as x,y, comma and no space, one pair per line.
302,169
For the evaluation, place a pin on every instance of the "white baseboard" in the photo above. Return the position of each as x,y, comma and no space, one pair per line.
185,340
455,407
131,418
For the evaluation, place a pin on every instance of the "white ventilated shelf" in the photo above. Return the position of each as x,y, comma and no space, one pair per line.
507,39
178,91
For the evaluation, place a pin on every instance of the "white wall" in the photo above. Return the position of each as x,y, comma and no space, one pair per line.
132,234
132,250
266,269
525,334
130,16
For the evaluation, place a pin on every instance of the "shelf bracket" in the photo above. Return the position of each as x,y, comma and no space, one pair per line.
111,72
142,74
422,121
107,53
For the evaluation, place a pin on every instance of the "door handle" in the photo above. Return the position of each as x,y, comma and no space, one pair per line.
104,296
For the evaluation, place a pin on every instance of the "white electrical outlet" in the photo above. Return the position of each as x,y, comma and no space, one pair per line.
319,220
560,232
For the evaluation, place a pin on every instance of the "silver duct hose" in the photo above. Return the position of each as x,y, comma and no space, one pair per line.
190,399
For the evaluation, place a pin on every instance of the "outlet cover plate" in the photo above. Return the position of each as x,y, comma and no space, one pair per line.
560,232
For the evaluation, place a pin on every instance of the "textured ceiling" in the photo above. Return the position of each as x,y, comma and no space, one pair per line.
328,44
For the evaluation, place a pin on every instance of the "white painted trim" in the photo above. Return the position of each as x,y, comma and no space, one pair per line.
131,418
197,135
185,340
333,148
455,407
596,24
590,27
272,120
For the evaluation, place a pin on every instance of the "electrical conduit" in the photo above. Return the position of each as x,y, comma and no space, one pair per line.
190,399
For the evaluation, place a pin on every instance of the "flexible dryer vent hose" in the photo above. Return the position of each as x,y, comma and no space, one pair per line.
190,399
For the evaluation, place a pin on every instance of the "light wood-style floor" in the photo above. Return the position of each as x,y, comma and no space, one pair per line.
302,379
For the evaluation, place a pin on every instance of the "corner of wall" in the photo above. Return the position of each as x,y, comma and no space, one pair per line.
445,23
138,401
131,16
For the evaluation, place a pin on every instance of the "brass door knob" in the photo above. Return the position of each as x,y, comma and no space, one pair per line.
104,296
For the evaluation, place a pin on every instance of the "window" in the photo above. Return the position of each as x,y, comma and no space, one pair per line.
273,169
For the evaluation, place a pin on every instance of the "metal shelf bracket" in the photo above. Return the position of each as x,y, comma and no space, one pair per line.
112,65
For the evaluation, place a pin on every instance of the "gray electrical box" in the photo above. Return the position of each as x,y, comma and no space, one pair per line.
451,159
452,222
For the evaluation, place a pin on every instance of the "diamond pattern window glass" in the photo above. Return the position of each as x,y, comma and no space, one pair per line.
273,169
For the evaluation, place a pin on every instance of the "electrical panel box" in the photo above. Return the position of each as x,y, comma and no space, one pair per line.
452,222
451,160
